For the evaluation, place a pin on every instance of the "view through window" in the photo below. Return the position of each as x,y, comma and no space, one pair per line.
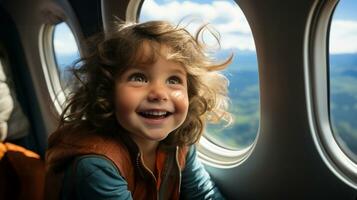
66,52
343,74
236,37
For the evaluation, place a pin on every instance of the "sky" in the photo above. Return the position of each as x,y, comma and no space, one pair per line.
343,33
64,42
224,15
227,18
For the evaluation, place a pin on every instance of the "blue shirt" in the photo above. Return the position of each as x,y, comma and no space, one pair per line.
97,178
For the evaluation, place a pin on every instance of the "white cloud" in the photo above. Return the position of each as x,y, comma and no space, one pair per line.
343,37
226,17
64,42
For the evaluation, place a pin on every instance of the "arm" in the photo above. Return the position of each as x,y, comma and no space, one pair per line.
196,182
97,178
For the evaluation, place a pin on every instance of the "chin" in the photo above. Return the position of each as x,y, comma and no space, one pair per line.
157,137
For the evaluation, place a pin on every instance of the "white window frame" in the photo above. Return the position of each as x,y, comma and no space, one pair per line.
316,83
49,65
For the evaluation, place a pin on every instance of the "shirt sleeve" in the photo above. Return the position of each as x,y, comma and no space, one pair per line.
196,182
97,178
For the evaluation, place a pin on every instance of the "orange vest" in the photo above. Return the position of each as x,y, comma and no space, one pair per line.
125,155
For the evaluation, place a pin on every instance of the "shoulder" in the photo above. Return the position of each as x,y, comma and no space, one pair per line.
196,182
69,133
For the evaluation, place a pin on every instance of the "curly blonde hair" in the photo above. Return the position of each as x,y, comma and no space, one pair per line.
92,102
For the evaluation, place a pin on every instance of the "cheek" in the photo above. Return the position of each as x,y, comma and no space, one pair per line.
181,100
124,100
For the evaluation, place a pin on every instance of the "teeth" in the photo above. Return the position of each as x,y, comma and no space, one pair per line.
155,113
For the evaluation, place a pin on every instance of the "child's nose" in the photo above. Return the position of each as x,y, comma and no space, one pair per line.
157,92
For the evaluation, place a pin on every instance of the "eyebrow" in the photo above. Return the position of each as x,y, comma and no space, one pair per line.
144,68
179,71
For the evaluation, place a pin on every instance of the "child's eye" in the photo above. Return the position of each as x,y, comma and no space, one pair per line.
138,77
174,80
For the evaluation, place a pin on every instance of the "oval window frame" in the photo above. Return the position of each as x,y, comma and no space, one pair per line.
49,63
317,92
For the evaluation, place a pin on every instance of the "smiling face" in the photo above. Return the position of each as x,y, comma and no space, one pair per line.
151,100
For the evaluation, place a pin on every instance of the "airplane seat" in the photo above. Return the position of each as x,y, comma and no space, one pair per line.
22,172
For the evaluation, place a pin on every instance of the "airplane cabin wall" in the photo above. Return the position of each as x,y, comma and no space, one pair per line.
285,163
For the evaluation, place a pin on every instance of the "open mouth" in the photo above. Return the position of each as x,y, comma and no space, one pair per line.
154,114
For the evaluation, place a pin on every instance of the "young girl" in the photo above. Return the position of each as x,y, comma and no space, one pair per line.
141,103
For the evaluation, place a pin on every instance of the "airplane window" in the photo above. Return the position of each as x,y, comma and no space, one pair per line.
58,51
343,75
66,52
236,37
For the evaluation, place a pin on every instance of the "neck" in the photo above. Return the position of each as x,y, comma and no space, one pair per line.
147,147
